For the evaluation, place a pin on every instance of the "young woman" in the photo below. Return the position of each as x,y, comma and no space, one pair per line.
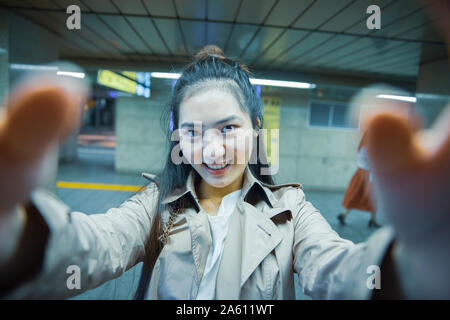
213,225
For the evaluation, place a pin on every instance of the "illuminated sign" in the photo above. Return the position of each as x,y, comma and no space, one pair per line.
142,91
140,85
140,77
129,74
113,80
144,78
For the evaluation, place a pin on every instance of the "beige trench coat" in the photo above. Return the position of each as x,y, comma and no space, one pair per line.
273,233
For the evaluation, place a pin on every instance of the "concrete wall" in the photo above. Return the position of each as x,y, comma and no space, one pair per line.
318,158
140,139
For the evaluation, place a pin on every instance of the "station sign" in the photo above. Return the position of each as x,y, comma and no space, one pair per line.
137,83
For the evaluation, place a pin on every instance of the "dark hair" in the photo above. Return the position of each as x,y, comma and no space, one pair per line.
209,67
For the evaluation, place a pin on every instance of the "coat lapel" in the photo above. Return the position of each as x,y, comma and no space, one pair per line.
260,237
198,225
201,240
252,235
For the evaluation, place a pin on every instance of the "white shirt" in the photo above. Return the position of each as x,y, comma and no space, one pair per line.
363,159
219,228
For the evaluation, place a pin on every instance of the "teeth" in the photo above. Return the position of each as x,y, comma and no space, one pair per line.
216,167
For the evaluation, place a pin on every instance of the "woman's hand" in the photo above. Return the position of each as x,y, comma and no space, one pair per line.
411,170
39,114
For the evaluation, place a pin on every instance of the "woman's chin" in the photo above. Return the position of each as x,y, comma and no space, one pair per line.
218,182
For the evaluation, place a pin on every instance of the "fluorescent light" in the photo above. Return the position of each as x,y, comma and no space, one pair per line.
280,83
263,82
394,97
71,74
165,75
18,66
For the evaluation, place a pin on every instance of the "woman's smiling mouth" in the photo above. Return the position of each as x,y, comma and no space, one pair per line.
216,169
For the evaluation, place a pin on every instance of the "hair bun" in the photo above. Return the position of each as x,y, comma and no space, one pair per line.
212,50
209,50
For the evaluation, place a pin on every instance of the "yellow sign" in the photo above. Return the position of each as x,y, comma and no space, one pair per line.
116,81
271,123
129,74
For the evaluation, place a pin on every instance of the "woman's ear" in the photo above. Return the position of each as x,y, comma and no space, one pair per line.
258,127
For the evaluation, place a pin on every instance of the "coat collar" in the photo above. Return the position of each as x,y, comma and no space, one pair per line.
251,187
187,191
245,250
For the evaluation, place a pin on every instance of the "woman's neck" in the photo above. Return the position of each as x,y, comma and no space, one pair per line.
205,191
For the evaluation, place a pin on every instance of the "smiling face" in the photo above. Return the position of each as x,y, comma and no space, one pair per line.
216,136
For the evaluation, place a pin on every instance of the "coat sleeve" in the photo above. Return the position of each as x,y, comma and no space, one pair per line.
330,267
98,247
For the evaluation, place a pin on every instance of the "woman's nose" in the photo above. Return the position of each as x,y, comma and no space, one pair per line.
213,150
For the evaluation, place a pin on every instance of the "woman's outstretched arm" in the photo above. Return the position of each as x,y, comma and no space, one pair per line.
330,267
41,237
57,242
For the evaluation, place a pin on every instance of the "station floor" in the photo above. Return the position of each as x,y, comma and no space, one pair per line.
96,165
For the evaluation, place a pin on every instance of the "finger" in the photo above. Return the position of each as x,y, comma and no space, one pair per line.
389,125
398,109
76,88
34,119
379,99
391,145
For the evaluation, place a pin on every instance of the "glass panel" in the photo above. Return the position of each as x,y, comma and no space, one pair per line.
340,118
319,114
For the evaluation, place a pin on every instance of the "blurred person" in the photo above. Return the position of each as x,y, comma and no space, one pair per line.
358,194
211,227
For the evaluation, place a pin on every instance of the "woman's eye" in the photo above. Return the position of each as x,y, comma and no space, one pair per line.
193,133
228,128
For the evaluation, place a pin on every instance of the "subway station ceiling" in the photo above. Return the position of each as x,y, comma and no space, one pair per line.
321,36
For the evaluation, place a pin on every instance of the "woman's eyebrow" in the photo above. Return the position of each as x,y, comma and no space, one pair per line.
230,118
192,124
